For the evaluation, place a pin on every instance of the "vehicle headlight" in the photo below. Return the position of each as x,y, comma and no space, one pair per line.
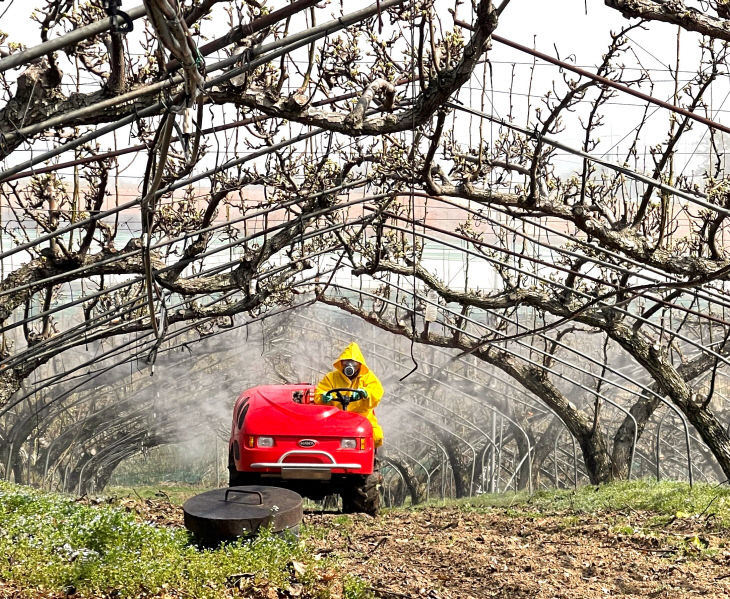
265,442
348,444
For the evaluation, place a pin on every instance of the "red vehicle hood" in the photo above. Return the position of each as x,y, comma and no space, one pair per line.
272,412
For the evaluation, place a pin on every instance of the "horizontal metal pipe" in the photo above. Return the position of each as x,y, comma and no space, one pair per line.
693,198
604,80
70,38
141,147
278,48
610,83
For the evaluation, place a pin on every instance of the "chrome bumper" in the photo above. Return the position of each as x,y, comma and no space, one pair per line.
306,465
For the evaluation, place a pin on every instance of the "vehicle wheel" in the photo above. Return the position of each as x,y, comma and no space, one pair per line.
363,495
236,478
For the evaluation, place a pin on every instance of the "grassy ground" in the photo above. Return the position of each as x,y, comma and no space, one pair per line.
56,546
664,500
174,493
133,546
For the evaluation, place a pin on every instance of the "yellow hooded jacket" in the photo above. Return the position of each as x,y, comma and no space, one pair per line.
364,380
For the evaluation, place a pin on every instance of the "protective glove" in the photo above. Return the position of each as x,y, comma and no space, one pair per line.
361,394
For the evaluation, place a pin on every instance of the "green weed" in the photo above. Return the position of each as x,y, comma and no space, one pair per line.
175,494
342,520
668,500
622,529
354,587
570,521
53,542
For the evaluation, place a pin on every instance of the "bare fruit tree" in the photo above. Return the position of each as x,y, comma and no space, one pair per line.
179,170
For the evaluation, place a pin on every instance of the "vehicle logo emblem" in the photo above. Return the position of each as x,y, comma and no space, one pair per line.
307,443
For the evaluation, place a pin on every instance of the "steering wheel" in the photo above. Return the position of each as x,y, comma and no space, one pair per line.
351,395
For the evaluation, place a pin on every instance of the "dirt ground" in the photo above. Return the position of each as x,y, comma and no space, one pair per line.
444,553
453,553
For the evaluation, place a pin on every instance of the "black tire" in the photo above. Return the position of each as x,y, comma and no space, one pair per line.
363,495
238,479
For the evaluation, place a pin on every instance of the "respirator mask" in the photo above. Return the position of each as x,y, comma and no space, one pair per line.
350,368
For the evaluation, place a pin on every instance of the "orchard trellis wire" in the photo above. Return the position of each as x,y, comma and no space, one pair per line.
560,300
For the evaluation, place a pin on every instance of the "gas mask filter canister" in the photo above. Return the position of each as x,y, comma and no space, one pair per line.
349,370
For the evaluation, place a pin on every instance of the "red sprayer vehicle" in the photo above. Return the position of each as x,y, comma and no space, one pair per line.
280,437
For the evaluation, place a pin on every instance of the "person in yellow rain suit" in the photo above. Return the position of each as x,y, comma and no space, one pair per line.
352,372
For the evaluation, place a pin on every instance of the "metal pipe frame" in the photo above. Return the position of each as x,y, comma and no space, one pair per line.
434,423
532,348
468,422
541,279
227,246
266,54
559,343
528,360
410,457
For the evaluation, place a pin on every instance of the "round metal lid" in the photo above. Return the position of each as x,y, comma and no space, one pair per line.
239,511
